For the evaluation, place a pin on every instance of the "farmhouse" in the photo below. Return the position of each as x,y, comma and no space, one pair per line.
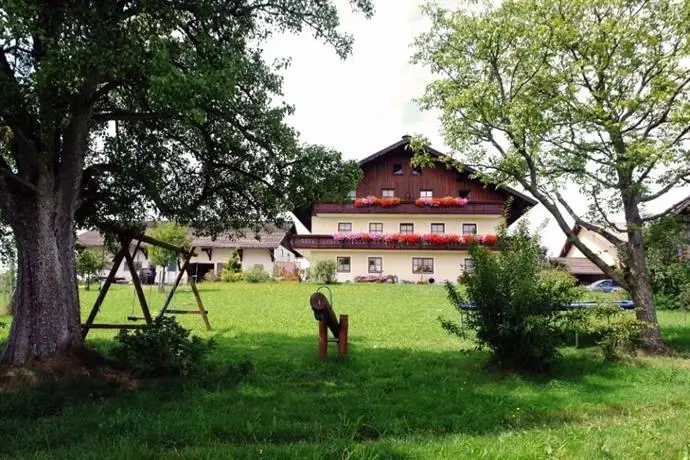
572,259
407,223
682,212
256,249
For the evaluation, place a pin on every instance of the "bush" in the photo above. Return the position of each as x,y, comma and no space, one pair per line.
617,333
323,272
162,348
516,302
257,275
229,277
684,297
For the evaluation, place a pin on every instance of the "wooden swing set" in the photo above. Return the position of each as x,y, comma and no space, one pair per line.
125,239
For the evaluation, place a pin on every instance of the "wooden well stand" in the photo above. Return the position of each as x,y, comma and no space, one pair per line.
126,238
324,314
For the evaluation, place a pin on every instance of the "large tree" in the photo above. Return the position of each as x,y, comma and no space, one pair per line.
587,95
115,110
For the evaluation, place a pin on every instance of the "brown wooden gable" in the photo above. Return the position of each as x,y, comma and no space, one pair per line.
379,174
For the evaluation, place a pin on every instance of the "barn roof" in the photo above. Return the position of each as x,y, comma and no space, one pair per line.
578,265
527,202
269,238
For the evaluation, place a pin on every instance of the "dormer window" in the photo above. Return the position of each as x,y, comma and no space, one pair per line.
397,169
387,193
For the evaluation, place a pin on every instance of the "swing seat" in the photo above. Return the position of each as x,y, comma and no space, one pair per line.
136,318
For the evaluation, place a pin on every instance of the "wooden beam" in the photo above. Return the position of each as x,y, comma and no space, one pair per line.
178,278
104,290
137,284
199,303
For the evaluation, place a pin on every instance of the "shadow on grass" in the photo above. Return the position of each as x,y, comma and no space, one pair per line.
290,397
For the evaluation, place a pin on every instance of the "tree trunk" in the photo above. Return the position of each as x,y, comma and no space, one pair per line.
46,318
638,278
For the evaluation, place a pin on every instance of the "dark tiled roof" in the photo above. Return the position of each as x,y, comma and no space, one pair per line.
578,265
269,238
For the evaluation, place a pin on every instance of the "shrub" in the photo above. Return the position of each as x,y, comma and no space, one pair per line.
684,297
232,277
162,348
210,276
323,271
256,275
516,303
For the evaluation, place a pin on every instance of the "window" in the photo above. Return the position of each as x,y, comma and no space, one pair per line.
375,227
464,193
137,265
416,171
343,264
469,265
352,195
397,169
387,193
406,228
375,264
344,227
469,229
422,265
438,228
426,193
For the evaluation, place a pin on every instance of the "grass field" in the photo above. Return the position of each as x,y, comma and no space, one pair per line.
407,390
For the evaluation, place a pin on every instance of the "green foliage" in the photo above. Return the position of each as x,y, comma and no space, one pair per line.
168,232
665,240
229,277
616,331
256,275
516,302
89,263
232,272
323,271
234,264
556,94
162,348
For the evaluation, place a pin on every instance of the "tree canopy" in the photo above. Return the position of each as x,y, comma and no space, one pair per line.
558,93
120,110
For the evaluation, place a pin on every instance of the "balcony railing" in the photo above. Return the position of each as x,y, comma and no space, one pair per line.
328,242
409,207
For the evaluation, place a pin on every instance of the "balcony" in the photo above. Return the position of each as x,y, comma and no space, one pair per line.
409,207
328,242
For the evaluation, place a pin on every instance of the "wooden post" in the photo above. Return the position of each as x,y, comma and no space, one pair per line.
342,336
180,274
323,340
137,284
199,303
101,294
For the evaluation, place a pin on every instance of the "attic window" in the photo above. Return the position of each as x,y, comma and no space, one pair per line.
416,171
397,169
464,193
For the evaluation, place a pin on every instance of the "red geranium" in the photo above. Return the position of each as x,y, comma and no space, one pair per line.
490,240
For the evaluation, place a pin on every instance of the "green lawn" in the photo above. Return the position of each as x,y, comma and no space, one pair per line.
407,390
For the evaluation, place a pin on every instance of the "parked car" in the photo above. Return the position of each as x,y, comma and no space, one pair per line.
604,286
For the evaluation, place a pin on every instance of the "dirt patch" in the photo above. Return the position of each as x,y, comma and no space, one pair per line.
80,364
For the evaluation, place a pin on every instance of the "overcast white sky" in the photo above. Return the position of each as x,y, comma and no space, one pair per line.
364,103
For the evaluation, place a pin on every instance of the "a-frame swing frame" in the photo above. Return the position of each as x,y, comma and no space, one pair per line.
125,239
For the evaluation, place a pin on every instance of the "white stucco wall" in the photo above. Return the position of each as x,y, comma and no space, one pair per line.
327,224
448,265
598,244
